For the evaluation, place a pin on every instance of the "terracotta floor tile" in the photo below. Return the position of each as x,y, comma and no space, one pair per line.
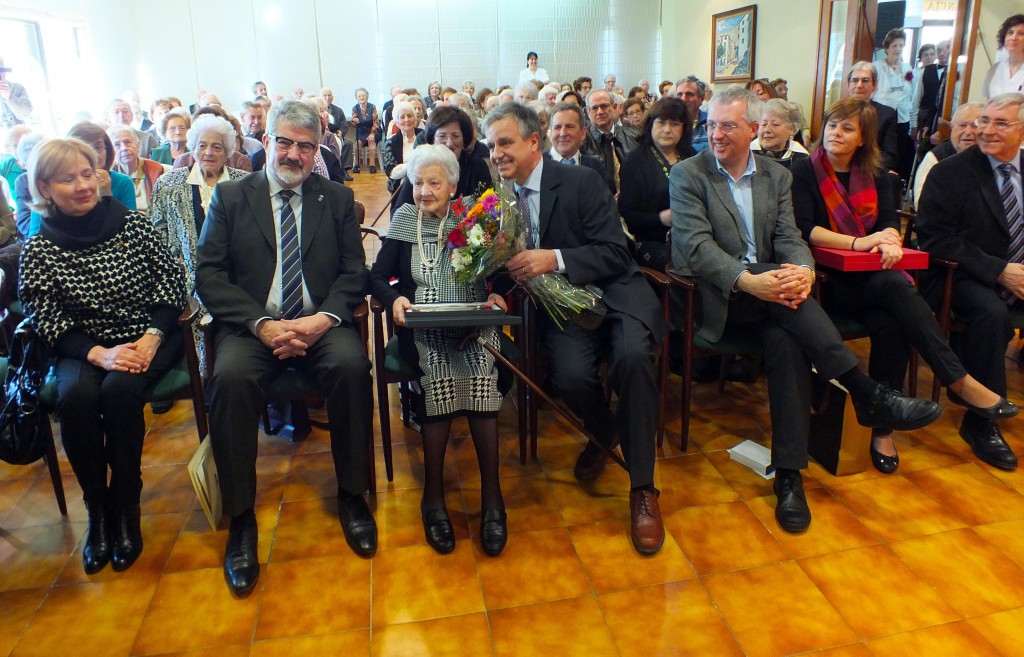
894,508
159,533
198,546
11,491
463,453
170,445
241,650
721,428
106,616
688,625
851,650
920,450
560,455
744,481
1002,630
529,502
314,596
612,563
34,556
971,494
271,474
455,636
194,609
535,567
16,610
167,489
723,537
543,630
689,481
833,527
753,601
311,476
971,575
588,501
38,505
951,640
353,642
408,468
309,528
860,585
1006,536
9,472
400,522
416,583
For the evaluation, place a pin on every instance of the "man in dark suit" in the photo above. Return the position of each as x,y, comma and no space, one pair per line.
607,140
733,229
970,212
573,228
566,131
862,79
281,268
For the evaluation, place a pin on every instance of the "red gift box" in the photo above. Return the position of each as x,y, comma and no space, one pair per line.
846,260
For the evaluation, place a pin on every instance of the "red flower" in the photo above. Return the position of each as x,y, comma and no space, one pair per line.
909,76
458,207
456,239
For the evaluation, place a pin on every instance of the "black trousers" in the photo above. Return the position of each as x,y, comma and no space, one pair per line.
102,423
243,369
575,356
896,316
792,341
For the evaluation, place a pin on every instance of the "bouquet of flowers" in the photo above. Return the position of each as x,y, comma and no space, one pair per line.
489,233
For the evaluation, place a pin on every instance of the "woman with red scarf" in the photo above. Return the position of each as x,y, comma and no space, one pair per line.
843,200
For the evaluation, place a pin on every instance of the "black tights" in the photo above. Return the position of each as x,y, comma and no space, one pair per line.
485,441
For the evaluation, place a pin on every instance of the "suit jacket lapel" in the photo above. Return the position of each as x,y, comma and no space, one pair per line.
257,193
990,190
312,212
761,192
549,183
721,187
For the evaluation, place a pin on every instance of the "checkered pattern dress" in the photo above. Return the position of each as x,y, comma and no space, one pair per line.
454,382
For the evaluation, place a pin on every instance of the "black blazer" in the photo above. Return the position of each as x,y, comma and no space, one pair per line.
809,205
238,250
578,216
888,136
961,217
644,193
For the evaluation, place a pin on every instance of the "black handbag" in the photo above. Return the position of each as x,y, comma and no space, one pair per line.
24,425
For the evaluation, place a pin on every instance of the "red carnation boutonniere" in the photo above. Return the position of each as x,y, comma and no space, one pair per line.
909,76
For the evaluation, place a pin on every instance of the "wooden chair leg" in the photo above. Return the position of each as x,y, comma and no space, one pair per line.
912,373
723,372
54,468
532,401
521,396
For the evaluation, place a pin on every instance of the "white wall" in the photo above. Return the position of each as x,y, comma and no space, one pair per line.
993,13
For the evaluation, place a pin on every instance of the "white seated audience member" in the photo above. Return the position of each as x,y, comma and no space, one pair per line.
963,134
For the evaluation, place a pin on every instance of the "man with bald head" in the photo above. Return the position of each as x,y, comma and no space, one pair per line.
962,136
119,112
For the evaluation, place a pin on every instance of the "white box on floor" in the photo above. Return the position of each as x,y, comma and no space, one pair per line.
755,456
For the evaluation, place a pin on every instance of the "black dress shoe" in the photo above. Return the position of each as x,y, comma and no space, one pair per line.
590,463
126,538
493,531
883,462
161,407
437,527
791,510
1001,410
890,410
373,169
241,563
358,524
988,444
96,551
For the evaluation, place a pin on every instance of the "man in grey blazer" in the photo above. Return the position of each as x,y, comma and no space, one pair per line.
574,229
733,230
281,269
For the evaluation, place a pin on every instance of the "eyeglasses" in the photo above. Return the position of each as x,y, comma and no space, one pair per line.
862,80
998,124
284,145
600,108
727,128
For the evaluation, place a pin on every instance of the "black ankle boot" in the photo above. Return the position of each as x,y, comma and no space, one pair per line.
96,551
127,537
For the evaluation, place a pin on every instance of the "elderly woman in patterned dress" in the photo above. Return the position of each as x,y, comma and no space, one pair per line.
181,197
104,294
454,382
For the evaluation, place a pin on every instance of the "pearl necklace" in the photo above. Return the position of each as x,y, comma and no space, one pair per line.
430,264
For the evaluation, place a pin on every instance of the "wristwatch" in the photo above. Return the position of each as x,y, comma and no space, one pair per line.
152,330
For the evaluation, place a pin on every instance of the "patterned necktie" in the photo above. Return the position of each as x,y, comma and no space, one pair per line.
291,263
1014,222
524,210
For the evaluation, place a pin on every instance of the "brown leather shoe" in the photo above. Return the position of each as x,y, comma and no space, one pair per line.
646,528
590,463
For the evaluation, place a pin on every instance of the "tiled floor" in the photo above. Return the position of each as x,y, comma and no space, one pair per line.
927,562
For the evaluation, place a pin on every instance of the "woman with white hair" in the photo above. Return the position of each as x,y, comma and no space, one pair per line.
398,147
143,172
104,294
780,121
455,381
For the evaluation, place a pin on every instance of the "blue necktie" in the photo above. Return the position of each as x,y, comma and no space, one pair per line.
291,262
569,160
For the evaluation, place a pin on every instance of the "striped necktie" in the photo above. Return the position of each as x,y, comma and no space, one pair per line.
524,212
1014,221
291,262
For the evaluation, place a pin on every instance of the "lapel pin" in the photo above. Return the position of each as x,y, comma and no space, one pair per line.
320,198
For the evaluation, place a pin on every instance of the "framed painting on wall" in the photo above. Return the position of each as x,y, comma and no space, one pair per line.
732,45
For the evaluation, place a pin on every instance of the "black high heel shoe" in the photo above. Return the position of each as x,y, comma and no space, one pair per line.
884,463
96,551
493,531
437,527
1001,410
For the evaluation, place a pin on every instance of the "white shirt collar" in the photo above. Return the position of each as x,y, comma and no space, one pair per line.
533,182
558,158
195,176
